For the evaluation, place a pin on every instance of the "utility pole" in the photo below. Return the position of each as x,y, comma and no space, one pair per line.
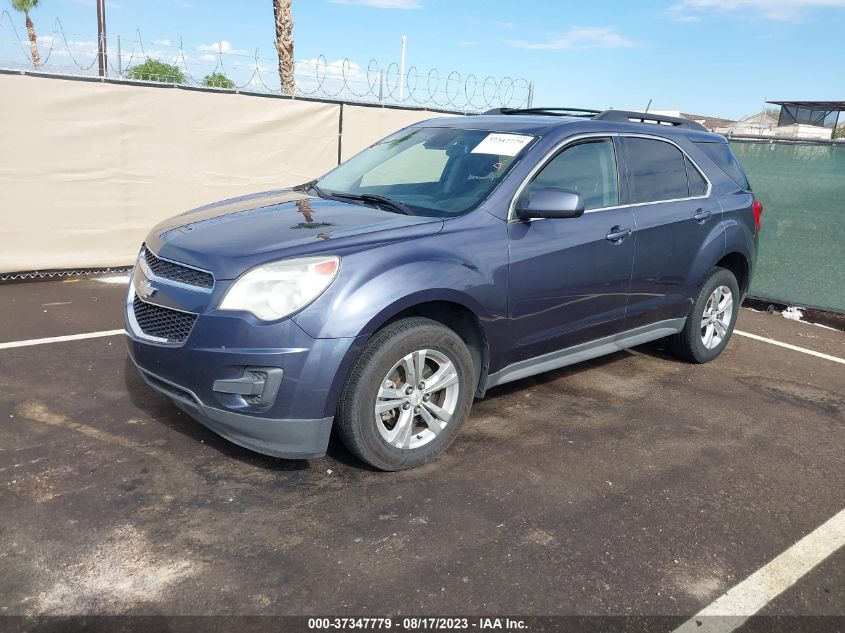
402,71
102,53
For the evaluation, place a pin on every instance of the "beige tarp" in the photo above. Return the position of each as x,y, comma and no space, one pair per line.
87,168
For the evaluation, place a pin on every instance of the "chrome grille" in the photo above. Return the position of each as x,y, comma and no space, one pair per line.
161,322
176,272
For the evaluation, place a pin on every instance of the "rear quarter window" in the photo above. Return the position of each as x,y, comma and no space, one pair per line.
721,154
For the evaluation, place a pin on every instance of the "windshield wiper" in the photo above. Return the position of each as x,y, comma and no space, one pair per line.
311,185
374,198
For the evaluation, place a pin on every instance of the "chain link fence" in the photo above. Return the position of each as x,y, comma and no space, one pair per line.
219,65
802,187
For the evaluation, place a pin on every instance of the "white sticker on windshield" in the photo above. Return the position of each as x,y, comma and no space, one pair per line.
502,144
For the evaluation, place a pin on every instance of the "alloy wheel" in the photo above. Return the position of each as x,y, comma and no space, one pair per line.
417,399
716,320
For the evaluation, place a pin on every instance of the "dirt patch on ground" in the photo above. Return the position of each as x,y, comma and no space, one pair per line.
40,413
122,571
803,395
536,536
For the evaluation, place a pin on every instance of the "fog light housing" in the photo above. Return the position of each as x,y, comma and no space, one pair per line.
258,386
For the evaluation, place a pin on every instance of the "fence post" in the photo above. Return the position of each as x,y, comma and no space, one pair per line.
530,93
119,60
340,135
381,86
102,51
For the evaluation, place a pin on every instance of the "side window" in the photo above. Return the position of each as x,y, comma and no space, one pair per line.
657,171
588,168
697,184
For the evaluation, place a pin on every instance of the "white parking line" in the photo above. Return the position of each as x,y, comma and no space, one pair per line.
60,339
794,348
729,611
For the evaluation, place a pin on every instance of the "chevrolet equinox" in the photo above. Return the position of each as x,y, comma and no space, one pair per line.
453,256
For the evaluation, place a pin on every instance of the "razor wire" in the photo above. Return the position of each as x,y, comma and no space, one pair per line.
58,274
317,78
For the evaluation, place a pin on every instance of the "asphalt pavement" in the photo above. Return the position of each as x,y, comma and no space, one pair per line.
631,485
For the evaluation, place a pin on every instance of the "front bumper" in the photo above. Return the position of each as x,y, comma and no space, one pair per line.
289,414
291,439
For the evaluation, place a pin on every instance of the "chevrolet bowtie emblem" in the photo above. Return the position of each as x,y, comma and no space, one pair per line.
146,289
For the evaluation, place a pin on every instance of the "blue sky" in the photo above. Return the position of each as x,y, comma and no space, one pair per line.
713,57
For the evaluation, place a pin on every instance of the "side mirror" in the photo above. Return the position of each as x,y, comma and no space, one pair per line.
551,203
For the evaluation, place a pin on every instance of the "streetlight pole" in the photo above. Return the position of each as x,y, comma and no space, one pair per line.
102,54
402,71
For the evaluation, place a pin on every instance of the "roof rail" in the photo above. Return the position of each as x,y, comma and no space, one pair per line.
622,116
574,112
626,116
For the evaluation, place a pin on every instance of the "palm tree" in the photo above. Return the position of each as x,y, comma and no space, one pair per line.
25,6
284,43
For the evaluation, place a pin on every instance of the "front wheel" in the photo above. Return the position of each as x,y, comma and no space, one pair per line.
711,319
407,395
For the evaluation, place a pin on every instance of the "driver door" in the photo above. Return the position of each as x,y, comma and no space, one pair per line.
569,278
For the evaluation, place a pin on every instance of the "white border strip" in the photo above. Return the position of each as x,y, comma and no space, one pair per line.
794,348
60,339
731,610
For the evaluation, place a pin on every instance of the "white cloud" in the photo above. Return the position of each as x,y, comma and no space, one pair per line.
330,77
250,66
579,38
382,4
690,10
51,47
220,47
164,56
164,42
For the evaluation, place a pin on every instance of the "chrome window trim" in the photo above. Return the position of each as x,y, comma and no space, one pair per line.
142,262
562,145
687,156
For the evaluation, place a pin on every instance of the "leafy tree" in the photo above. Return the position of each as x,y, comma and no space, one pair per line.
218,80
839,132
156,70
25,6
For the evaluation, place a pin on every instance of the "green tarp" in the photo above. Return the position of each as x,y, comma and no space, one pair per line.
802,187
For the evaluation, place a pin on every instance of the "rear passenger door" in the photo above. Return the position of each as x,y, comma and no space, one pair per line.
674,217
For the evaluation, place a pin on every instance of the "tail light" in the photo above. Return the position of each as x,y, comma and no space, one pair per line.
757,207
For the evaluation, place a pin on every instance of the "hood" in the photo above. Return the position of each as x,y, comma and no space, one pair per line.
232,236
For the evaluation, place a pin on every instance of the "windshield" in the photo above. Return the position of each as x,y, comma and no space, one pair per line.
427,171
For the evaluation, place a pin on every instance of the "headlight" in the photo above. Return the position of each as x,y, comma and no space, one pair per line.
274,290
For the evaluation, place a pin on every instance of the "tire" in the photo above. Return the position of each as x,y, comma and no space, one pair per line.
691,342
414,427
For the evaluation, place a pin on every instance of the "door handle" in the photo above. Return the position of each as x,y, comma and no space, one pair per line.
701,216
617,234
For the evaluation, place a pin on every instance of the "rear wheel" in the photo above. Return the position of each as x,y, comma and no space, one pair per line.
407,395
711,319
